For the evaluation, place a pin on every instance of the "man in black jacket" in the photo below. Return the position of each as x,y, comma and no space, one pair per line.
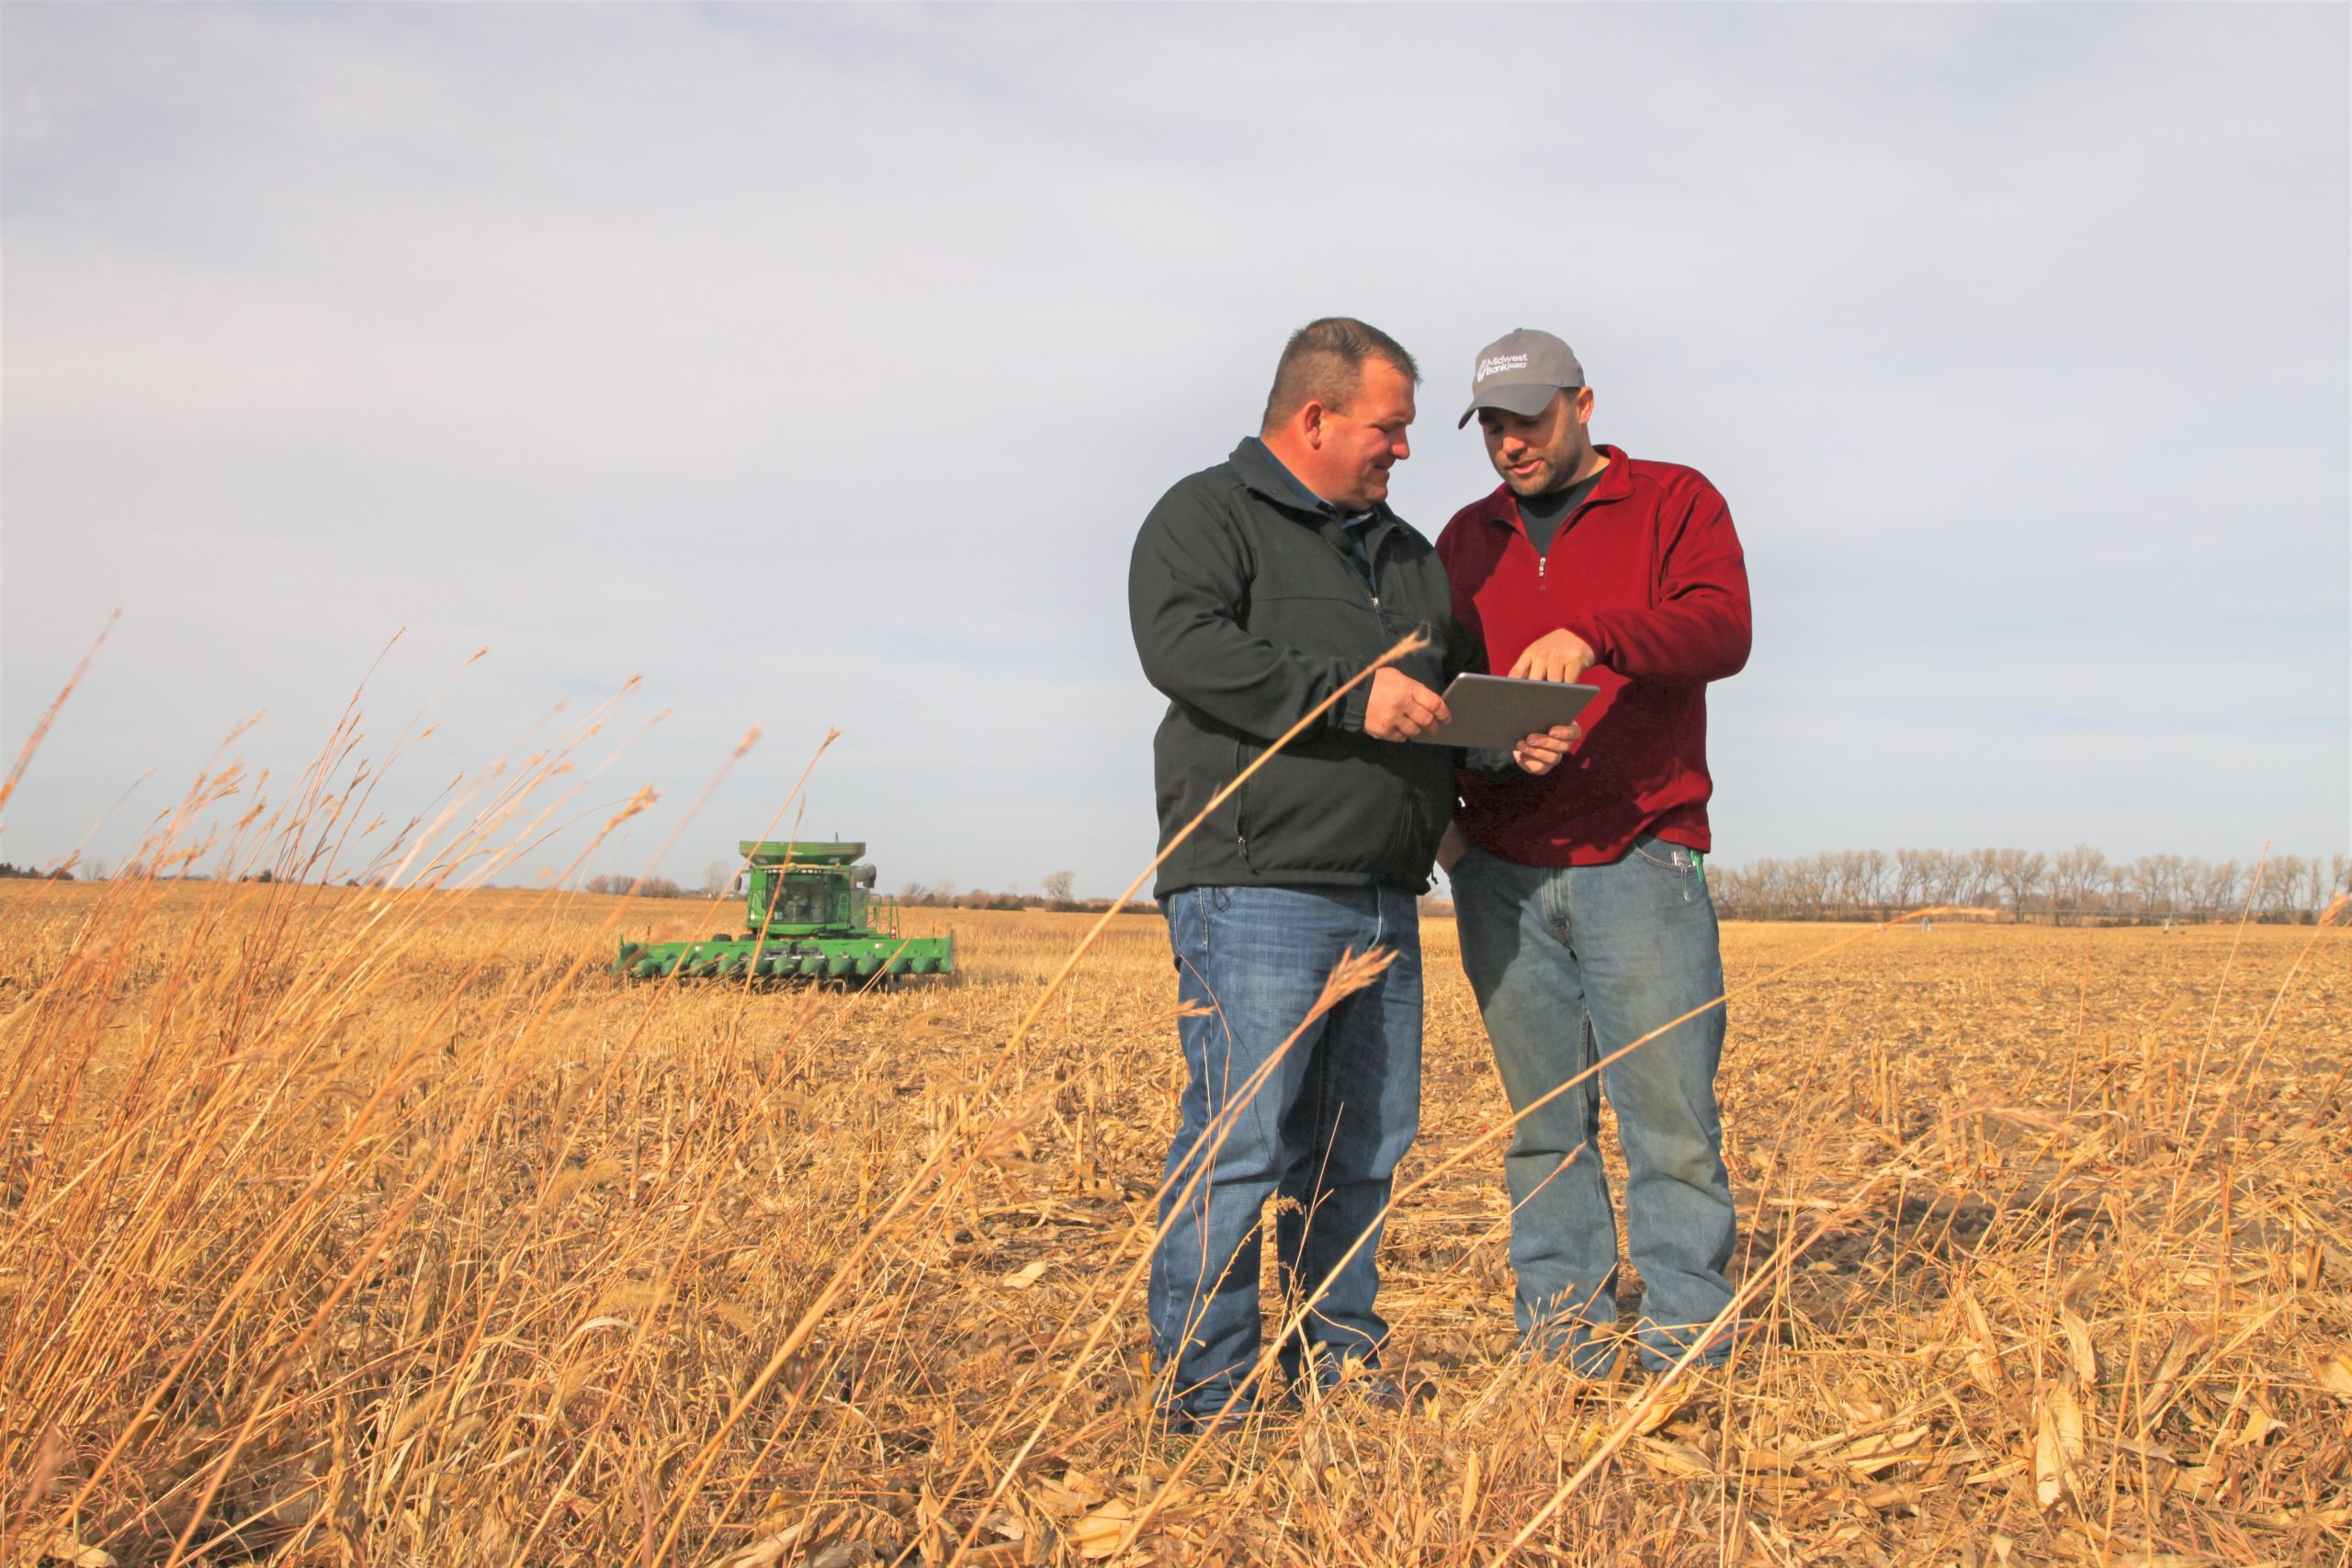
1257,588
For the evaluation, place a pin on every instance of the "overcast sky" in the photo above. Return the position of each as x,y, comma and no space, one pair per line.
817,365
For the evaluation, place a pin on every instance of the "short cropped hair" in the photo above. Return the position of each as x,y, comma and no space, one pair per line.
1324,361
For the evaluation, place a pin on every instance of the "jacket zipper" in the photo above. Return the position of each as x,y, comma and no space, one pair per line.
1240,798
1543,558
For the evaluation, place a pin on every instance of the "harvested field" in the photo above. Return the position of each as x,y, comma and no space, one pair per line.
353,1227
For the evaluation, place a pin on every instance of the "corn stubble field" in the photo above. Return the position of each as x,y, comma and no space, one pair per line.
353,1226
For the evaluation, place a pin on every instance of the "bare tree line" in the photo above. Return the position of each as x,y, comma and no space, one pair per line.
2076,886
650,887
721,879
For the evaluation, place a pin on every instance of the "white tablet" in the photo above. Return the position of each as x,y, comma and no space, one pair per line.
1496,712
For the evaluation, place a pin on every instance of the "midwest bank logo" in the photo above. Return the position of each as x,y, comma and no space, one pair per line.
1498,364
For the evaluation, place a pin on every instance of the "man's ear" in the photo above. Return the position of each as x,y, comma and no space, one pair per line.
1582,403
1311,418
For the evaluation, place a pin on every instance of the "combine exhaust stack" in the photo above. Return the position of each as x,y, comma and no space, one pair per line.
810,913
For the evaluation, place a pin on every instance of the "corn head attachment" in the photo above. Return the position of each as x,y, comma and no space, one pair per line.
810,913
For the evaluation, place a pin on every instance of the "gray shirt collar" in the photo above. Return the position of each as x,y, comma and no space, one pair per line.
1356,522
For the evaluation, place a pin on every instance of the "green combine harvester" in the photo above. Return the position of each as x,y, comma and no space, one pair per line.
811,914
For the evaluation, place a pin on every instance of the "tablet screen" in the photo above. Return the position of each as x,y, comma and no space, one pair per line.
1496,712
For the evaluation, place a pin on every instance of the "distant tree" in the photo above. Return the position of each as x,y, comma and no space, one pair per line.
2152,883
1060,883
1911,878
2217,887
1979,875
914,892
716,876
1844,883
1947,873
1817,881
1863,874
2307,888
2020,873
2293,885
2073,875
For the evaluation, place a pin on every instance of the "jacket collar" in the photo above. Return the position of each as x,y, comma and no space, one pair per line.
1262,473
1616,484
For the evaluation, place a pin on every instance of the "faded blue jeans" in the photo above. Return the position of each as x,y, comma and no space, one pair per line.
1323,1132
1570,965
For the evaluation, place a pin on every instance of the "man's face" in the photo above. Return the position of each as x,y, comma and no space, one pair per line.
1360,445
1544,452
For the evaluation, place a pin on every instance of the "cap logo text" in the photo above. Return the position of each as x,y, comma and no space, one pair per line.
1497,363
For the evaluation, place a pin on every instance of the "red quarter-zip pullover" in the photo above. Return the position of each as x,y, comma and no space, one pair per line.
1649,573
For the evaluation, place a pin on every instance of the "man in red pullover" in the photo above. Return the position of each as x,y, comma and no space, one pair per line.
1582,894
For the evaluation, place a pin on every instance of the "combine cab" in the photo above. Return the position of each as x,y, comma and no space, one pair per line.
811,914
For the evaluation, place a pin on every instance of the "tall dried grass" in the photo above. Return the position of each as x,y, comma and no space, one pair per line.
377,1225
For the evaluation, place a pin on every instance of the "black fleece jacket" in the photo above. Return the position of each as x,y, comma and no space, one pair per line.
1248,609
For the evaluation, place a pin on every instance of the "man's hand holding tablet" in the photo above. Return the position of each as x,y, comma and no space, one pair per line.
1401,709
1541,753
1557,656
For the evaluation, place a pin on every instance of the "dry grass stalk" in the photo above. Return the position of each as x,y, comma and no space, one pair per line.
375,1225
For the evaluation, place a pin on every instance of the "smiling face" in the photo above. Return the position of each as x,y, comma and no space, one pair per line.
1544,452
1355,446
1346,431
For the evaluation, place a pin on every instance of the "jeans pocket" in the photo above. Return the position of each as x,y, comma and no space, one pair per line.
1672,859
1190,914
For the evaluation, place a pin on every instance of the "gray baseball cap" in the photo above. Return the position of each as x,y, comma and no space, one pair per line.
1518,372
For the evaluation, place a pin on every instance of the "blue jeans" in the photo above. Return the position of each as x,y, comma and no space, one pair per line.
1570,964
1323,1132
